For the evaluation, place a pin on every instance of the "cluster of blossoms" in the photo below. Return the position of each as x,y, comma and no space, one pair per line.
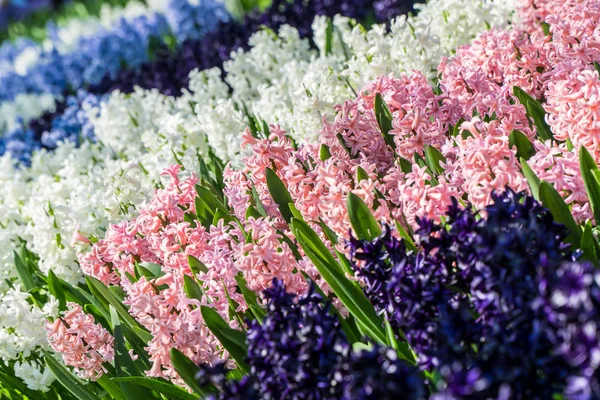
299,351
162,235
82,343
494,303
497,305
63,199
169,72
71,191
81,55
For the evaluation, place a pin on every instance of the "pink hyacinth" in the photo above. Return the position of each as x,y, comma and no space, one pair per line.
82,343
159,235
482,161
555,164
573,107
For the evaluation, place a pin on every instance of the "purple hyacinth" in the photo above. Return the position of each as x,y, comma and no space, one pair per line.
495,305
299,351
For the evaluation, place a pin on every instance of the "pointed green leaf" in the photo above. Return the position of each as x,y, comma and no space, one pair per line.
250,298
196,265
67,379
192,289
112,388
107,295
295,211
433,158
402,348
324,153
588,166
350,295
405,165
536,112
363,222
384,120
328,37
57,290
160,386
532,179
279,193
232,340
361,174
259,205
552,200
588,243
408,241
456,129
24,272
186,369
525,149
210,199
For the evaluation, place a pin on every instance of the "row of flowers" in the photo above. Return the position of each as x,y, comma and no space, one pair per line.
314,234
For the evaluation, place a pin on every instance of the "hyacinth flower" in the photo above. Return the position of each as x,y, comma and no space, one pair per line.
169,72
299,351
496,306
265,218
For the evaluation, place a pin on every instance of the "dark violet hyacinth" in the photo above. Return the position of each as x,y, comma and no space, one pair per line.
295,352
168,72
495,305
379,374
299,351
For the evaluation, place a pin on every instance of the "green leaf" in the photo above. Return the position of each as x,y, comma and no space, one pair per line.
329,233
588,166
525,149
112,388
250,298
203,212
532,179
67,379
24,272
363,222
160,386
186,369
456,129
259,205
13,385
405,165
350,295
196,265
588,243
192,289
552,200
232,340
210,199
328,37
113,301
324,153
536,112
57,290
408,241
433,158
295,211
361,174
279,193
402,348
384,120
